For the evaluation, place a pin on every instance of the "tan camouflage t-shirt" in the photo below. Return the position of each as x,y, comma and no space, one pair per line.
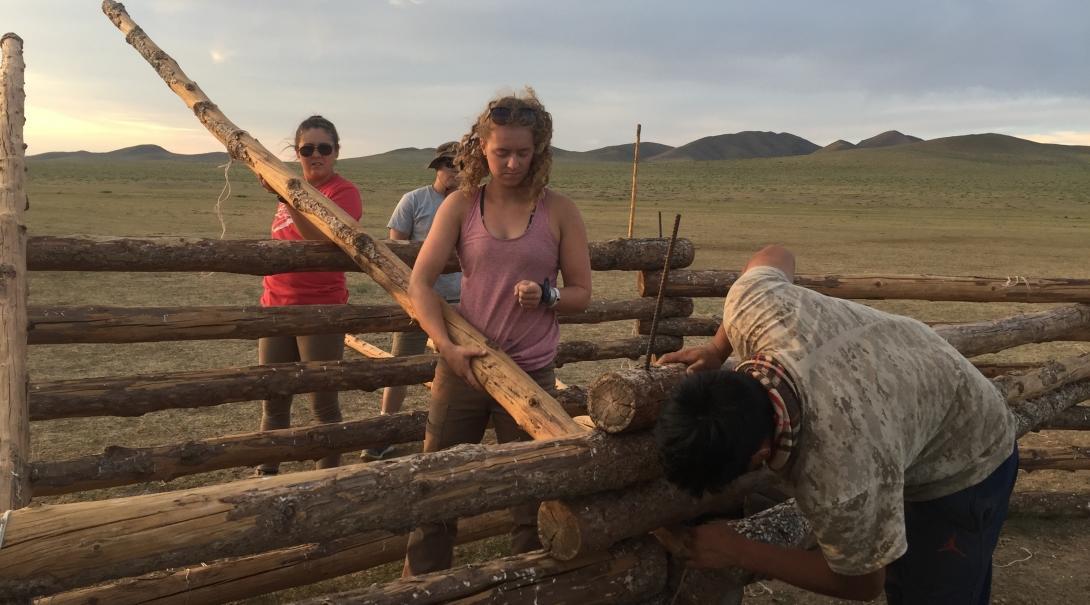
890,412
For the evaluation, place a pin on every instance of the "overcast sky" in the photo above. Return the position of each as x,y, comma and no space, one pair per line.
401,73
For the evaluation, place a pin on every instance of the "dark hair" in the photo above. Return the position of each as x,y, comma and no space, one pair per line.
709,430
318,122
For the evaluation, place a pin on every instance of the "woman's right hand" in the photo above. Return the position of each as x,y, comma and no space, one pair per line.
266,185
696,359
458,360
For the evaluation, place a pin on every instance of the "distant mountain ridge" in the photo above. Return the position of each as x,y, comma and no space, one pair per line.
741,145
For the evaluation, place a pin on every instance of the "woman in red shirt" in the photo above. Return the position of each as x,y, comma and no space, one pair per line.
316,146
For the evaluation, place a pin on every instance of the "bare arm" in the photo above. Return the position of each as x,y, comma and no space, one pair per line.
574,259
717,545
433,256
399,235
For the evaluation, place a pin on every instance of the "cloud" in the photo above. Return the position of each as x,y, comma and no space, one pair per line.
405,2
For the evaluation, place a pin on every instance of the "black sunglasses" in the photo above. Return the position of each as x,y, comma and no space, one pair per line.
523,116
448,164
308,150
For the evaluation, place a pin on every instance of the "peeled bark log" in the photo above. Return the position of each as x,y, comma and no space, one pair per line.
716,283
14,415
995,370
65,325
1066,458
630,400
1049,505
1030,414
142,394
241,256
123,466
575,527
1075,418
531,406
1054,374
626,573
229,580
54,548
682,326
977,338
627,348
267,257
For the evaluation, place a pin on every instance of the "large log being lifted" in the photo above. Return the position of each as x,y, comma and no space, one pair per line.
67,325
141,394
266,257
14,416
217,582
125,466
531,406
54,548
716,283
582,525
1054,374
1075,418
625,574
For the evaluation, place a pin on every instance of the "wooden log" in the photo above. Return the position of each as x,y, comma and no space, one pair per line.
141,394
370,351
68,325
531,406
1054,374
630,400
98,324
977,338
1074,418
994,370
124,466
575,527
682,326
217,582
1031,414
1050,504
240,256
267,257
716,283
621,348
627,573
1063,458
50,549
14,414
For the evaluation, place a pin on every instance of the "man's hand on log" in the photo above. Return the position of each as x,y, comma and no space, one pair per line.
696,359
712,545
459,358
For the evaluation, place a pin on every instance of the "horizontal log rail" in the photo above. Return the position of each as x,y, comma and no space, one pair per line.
125,466
1076,418
1050,504
145,393
98,324
50,549
1061,458
1069,323
267,257
626,574
217,582
716,283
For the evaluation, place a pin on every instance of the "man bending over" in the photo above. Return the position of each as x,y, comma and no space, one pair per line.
901,454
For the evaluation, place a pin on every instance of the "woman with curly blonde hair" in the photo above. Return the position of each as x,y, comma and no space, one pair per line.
513,236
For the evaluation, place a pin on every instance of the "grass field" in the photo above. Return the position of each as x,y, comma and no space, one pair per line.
967,207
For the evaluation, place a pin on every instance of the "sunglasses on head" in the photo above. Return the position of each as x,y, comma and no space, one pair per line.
308,150
523,116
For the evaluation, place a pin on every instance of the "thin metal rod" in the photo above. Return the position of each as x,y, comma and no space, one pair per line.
662,288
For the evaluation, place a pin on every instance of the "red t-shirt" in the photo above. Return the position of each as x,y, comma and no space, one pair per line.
311,288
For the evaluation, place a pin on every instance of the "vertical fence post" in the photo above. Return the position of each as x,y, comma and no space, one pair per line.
14,417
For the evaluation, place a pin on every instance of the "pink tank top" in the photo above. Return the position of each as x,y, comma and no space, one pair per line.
490,269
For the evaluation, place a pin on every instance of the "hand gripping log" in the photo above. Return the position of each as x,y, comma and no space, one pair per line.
530,405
